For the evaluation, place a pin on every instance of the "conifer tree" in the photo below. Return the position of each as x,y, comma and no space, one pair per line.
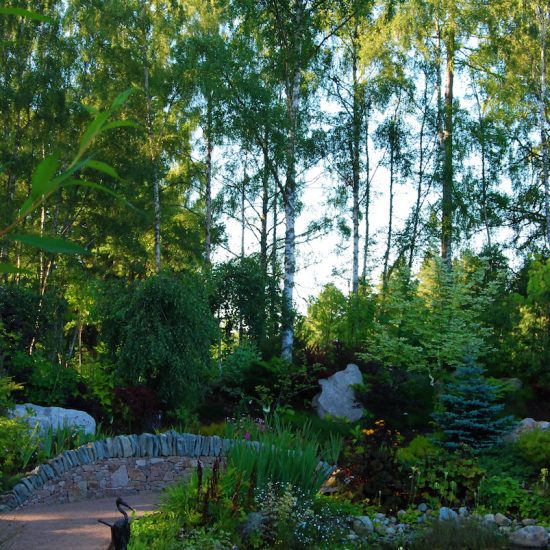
469,418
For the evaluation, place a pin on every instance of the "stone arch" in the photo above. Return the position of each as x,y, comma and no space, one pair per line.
119,465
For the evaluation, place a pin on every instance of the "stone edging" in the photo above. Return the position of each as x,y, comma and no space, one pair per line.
118,465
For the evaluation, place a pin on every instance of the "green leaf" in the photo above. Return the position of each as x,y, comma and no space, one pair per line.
26,13
99,187
121,123
121,98
91,132
50,244
103,167
9,268
42,177
26,206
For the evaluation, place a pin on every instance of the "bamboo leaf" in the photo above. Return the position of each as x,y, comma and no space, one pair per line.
50,244
121,98
91,132
103,167
42,177
26,206
120,124
27,14
9,268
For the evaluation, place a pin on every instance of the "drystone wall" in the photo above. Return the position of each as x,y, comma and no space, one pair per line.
116,466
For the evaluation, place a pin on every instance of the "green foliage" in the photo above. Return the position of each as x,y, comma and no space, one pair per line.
27,317
332,316
7,387
235,368
429,324
532,332
369,464
14,440
280,456
445,480
271,384
49,177
501,492
535,447
239,299
466,533
291,519
158,531
46,383
160,334
469,415
419,451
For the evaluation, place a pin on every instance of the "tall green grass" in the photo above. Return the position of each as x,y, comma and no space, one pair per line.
281,456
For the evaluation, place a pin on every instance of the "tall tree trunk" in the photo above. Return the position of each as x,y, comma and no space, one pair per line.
367,193
208,182
447,175
484,183
243,208
293,80
390,222
265,209
355,163
150,137
420,184
544,14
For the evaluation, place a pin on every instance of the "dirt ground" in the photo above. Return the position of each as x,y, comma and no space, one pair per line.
71,526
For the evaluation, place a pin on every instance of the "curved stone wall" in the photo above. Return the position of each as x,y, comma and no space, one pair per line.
115,466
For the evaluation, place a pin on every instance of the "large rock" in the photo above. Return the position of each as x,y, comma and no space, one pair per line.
527,425
56,417
337,397
533,536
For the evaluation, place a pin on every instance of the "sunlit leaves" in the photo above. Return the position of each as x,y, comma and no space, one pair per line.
49,244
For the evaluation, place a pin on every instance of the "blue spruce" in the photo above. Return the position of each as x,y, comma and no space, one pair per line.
470,415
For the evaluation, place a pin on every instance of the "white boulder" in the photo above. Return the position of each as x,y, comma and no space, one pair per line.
56,417
337,397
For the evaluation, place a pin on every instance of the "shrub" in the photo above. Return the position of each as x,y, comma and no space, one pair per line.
458,535
502,493
14,441
447,479
45,383
469,415
418,451
369,463
292,519
159,335
535,447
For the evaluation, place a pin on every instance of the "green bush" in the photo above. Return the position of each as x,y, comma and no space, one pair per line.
369,466
235,368
508,495
158,335
447,480
418,451
45,383
459,535
15,440
535,447
7,387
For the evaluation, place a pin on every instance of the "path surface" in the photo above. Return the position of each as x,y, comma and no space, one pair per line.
72,526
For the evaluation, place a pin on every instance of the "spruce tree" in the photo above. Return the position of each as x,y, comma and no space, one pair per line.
469,416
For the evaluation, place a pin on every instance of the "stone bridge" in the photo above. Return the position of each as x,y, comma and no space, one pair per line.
120,465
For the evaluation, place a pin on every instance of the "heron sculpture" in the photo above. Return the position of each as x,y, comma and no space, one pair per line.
120,529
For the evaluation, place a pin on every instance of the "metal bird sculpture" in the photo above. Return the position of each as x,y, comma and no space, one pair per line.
120,529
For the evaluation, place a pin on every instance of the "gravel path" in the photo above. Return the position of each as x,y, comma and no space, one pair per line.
72,526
